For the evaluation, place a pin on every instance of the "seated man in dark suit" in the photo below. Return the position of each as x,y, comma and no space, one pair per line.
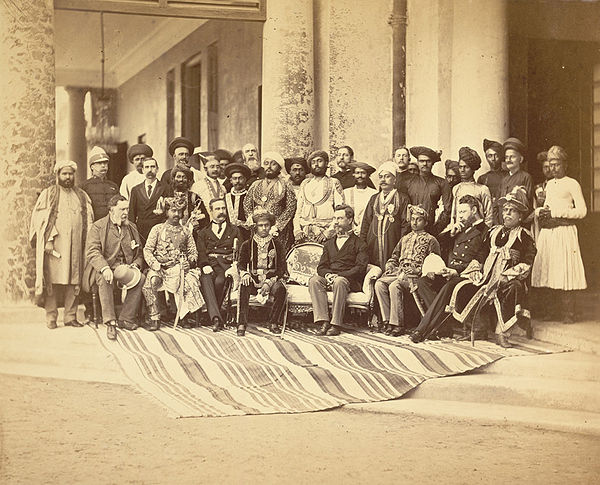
342,269
113,241
143,199
435,289
262,269
215,256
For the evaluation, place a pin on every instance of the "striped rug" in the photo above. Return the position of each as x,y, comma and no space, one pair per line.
200,373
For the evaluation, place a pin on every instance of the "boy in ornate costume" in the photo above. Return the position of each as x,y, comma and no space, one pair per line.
262,271
402,270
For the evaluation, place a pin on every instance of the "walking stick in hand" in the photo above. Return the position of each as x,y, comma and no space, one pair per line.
179,296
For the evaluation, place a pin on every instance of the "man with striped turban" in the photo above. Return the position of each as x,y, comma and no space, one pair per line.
59,225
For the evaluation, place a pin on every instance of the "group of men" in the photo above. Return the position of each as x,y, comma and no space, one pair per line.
453,249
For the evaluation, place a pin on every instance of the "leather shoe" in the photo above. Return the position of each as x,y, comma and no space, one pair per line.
73,323
51,325
388,329
153,326
333,331
241,330
111,331
124,324
397,331
324,328
416,337
503,341
274,328
217,324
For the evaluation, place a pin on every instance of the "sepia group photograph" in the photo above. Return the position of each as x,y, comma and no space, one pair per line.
300,241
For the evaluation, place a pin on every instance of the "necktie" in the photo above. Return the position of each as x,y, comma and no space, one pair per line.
149,190
219,226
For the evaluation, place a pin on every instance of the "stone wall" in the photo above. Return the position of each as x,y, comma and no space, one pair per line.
27,152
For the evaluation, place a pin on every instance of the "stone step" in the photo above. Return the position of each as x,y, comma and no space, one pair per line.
110,373
513,390
583,336
583,422
67,357
572,366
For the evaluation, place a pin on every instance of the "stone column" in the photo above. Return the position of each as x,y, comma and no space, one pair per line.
27,144
76,144
479,74
398,23
288,91
360,81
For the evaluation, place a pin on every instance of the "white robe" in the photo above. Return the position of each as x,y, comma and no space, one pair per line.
558,262
130,180
358,200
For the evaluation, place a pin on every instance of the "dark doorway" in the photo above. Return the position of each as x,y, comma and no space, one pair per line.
191,85
551,93
118,163
560,103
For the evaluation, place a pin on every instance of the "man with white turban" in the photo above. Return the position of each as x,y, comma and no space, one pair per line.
385,218
59,225
275,195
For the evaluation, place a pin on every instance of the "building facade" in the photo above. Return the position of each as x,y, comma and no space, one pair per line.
293,76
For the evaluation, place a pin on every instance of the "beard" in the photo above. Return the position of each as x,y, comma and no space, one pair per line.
180,186
271,175
253,164
67,184
318,171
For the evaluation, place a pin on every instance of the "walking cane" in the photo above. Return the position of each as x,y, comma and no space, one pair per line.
179,296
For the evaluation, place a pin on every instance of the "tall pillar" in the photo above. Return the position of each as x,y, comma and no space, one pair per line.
76,144
27,144
288,90
360,80
398,24
479,74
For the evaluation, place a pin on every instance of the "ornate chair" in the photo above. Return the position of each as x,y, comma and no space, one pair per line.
302,262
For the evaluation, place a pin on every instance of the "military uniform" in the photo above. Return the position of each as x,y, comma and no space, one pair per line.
435,293
100,192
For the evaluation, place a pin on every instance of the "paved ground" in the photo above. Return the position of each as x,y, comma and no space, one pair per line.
63,431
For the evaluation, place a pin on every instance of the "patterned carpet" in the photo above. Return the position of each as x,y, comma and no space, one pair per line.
199,373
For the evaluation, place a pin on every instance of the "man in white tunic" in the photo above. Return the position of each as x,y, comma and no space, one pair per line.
136,154
359,195
558,265
59,224
317,199
208,186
